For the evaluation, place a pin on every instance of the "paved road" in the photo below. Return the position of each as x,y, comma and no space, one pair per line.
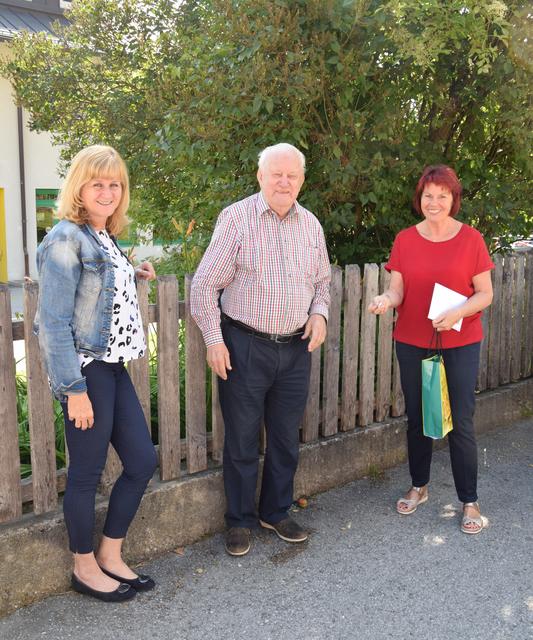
366,572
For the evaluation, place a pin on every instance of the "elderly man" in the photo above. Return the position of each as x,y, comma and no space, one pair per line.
268,257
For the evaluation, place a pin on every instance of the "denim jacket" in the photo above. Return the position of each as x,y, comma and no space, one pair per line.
76,290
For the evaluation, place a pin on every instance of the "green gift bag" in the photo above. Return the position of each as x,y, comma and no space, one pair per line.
436,410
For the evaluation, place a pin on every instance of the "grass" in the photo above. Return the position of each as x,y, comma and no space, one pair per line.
375,474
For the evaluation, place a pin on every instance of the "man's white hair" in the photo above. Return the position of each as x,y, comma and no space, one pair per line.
282,147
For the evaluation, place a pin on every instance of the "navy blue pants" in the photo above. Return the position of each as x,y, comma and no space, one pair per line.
268,381
462,365
119,420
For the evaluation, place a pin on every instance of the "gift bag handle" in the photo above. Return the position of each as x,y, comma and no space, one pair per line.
436,339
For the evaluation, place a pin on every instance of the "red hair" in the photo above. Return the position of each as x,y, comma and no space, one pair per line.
442,176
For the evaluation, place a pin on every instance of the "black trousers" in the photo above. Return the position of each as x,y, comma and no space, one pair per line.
119,420
462,365
268,381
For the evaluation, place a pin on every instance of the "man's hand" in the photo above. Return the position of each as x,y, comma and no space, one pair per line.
80,411
315,328
218,359
145,271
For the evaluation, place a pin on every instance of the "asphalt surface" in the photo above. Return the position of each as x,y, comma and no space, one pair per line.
365,573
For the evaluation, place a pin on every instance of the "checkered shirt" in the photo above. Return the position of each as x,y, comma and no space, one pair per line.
273,273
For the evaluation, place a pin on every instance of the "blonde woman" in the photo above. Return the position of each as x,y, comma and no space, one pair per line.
89,325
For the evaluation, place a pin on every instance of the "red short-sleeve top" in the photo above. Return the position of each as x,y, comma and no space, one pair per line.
452,263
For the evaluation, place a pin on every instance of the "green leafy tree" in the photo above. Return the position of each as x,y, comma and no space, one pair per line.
370,91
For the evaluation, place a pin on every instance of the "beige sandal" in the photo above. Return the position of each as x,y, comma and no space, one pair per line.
412,503
478,522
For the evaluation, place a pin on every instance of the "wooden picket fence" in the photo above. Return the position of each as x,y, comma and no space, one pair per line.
354,379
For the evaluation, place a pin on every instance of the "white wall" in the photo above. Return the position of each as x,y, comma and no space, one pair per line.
9,181
41,161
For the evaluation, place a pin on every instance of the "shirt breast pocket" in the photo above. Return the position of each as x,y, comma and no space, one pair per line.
92,275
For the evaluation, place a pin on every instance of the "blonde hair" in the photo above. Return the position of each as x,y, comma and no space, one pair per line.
96,161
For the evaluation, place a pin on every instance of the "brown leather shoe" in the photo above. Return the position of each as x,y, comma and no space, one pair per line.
287,529
238,541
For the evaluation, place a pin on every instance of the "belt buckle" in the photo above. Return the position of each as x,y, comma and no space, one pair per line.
279,339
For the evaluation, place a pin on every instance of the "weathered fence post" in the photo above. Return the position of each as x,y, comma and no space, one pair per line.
168,382
139,369
350,355
398,401
368,346
311,419
481,384
519,288
195,392
40,413
527,350
384,359
332,347
506,326
495,324
10,490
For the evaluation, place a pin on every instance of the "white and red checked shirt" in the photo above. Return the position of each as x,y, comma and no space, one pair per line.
274,273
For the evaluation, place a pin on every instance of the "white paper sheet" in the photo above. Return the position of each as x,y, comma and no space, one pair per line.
443,300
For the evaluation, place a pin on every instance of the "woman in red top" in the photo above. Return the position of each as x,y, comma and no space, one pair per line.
439,249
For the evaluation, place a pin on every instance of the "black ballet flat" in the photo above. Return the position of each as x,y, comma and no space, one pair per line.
140,583
122,593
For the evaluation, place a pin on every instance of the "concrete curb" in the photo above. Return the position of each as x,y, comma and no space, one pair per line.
36,563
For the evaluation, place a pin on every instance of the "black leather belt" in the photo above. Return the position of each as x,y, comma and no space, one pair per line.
275,337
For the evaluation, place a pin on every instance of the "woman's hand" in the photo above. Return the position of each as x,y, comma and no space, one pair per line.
446,320
380,304
480,300
145,271
80,411
390,298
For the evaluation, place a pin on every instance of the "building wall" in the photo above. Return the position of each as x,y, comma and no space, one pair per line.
42,172
41,163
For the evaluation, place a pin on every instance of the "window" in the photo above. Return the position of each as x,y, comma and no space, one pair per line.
45,204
